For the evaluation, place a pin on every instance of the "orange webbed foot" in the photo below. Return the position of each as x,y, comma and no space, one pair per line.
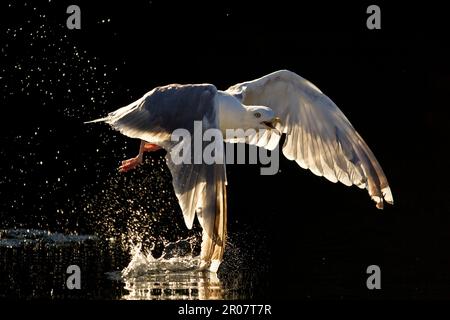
130,164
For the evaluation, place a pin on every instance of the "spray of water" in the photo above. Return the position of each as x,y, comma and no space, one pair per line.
171,276
60,175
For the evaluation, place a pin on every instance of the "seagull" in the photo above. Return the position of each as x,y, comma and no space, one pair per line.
319,137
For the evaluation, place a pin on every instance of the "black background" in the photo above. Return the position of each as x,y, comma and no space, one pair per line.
314,239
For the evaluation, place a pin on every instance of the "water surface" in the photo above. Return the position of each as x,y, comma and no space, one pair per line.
33,264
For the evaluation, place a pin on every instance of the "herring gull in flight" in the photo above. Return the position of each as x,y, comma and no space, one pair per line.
318,137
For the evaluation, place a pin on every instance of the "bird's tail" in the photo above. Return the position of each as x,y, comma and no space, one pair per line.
119,113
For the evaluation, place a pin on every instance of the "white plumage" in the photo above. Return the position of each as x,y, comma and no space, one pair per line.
318,137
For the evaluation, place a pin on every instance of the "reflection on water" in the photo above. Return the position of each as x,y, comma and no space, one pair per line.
171,285
17,238
33,264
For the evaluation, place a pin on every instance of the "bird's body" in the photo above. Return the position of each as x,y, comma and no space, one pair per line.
319,138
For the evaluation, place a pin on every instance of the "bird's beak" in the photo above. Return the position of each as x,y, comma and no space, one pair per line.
271,124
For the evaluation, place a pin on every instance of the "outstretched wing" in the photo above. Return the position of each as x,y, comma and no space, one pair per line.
200,188
319,136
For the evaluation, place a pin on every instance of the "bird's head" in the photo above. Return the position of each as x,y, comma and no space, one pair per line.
235,115
261,117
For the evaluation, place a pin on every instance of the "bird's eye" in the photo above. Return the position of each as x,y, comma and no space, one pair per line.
257,115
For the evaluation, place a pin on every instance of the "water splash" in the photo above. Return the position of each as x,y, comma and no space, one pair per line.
177,256
174,275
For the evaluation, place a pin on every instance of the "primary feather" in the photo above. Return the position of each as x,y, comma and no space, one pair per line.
319,136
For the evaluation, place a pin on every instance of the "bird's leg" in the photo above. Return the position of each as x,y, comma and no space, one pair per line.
133,163
148,147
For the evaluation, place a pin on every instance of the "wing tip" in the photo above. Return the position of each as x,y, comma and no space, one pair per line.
378,201
386,196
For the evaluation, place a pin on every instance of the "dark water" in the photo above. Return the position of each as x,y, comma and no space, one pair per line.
33,264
